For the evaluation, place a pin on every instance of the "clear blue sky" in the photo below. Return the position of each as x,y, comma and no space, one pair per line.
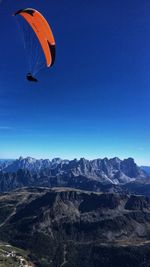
95,101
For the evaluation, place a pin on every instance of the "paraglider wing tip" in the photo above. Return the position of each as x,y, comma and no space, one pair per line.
30,11
18,12
53,53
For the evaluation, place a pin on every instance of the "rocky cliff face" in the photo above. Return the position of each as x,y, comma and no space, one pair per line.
105,170
64,225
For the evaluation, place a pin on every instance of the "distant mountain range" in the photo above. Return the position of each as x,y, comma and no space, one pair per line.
105,170
95,175
146,169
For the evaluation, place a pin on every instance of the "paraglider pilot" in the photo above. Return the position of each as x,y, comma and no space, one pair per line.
30,78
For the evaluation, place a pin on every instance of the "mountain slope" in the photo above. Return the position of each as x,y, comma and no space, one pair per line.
61,226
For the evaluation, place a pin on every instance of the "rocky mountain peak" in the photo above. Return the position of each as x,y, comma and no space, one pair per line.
106,171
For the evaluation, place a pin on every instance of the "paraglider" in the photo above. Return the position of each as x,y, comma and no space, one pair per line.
38,41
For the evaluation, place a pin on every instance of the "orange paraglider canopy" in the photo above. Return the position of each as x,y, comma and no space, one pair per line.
43,32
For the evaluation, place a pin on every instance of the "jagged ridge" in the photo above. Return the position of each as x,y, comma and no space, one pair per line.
105,170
